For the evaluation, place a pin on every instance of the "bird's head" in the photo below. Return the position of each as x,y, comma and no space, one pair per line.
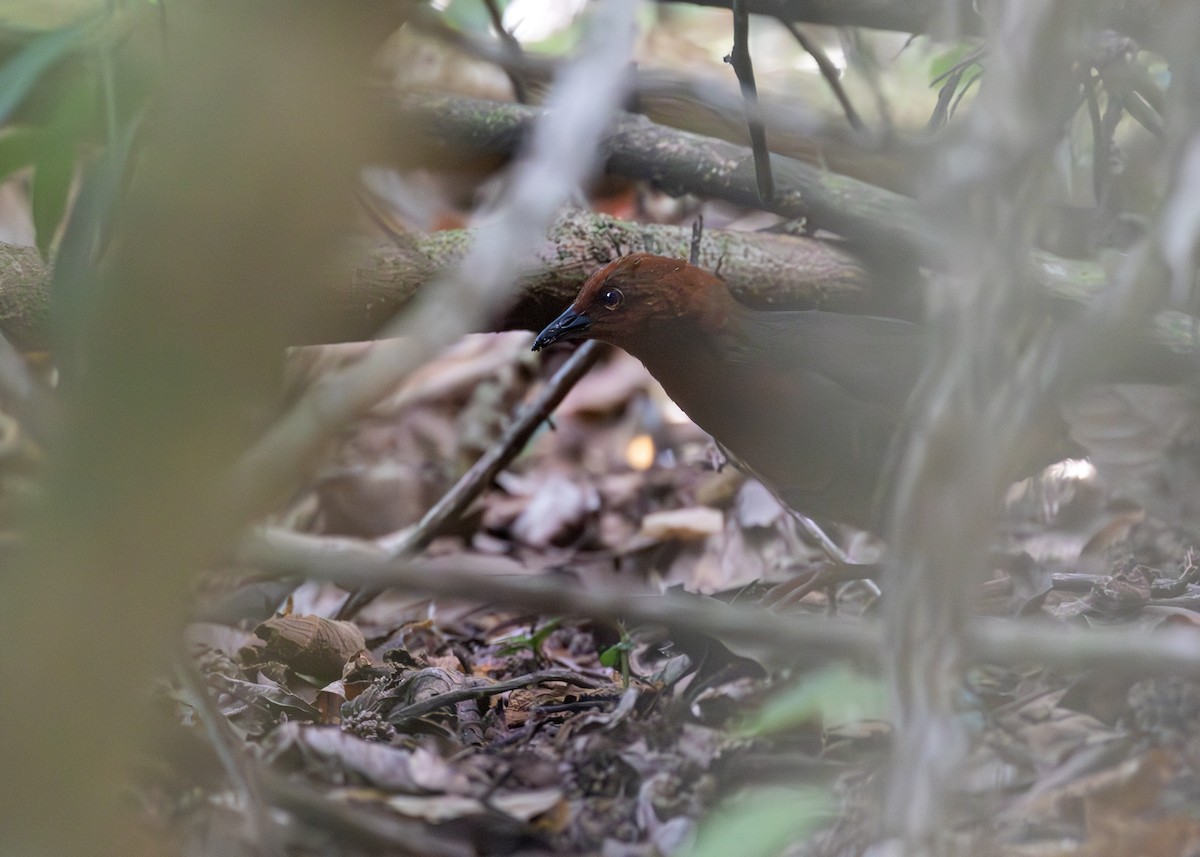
638,297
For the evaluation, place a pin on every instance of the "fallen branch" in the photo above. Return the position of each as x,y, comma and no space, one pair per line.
353,562
378,278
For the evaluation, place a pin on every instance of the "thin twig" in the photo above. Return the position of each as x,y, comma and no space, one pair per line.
452,697
859,53
790,593
512,47
941,110
739,58
1100,151
976,76
482,473
830,547
829,71
959,67
950,80
1007,641
517,64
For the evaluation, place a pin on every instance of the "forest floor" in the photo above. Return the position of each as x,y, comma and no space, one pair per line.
455,727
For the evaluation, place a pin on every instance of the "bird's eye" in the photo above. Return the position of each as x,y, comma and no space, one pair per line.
611,298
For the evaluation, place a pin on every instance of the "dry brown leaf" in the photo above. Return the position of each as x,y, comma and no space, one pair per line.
608,388
1124,814
523,805
691,524
555,512
311,645
755,506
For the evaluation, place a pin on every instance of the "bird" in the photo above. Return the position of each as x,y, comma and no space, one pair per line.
808,402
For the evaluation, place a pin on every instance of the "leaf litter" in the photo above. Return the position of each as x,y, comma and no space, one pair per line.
497,732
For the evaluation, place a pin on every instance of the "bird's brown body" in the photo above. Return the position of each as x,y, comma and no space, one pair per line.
807,401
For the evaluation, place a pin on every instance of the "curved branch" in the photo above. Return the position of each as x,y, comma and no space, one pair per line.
763,269
1142,21
905,16
887,224
378,278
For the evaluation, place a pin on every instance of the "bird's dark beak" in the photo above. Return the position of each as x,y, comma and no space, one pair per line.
569,325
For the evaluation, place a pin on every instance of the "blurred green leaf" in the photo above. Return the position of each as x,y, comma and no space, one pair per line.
947,59
611,657
20,73
46,14
470,15
18,149
762,822
84,239
533,641
53,172
74,119
835,695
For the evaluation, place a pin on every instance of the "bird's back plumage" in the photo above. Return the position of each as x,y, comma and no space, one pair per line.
874,359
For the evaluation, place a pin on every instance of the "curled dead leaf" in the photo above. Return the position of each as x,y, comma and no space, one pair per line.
311,645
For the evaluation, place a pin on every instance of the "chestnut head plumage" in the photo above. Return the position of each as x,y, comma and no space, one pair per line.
635,294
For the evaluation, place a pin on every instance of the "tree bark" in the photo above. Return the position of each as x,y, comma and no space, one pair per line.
881,223
905,16
1141,20
379,276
